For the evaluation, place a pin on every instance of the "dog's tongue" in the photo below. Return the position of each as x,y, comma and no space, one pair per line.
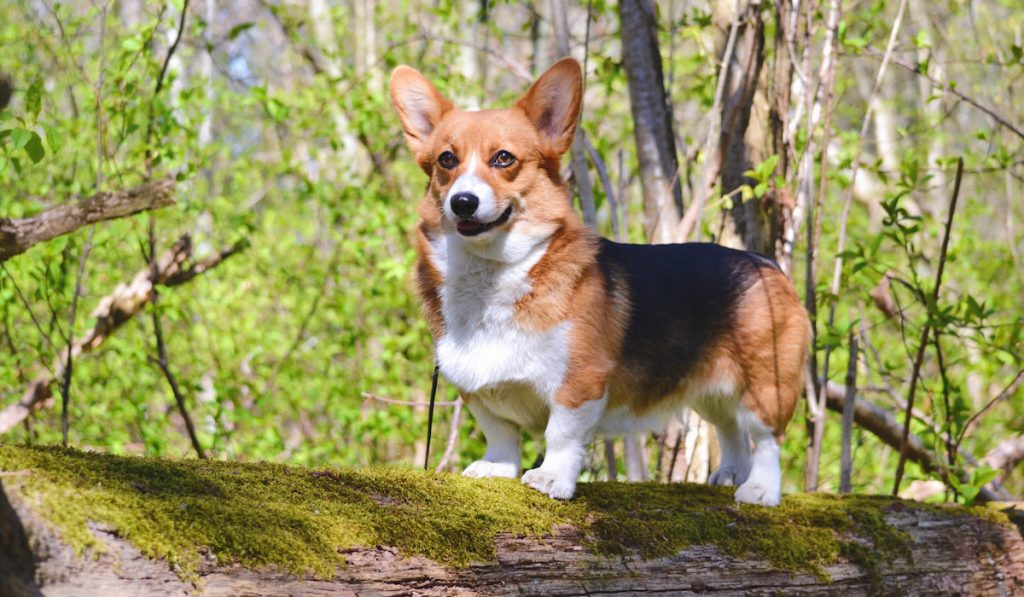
468,226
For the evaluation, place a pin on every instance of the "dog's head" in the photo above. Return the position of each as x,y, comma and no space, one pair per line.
492,170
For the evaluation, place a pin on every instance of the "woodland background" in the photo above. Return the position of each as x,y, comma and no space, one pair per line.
284,326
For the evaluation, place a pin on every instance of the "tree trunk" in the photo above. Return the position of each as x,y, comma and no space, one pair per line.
744,141
652,120
936,551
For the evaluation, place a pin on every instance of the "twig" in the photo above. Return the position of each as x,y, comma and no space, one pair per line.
1006,393
846,460
916,69
386,400
453,436
610,460
606,182
916,372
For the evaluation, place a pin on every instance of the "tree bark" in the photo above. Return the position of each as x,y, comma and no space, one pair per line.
173,269
652,120
18,235
950,554
743,139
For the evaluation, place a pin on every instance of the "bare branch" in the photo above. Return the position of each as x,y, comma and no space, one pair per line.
916,69
885,427
453,436
18,235
915,373
112,312
386,400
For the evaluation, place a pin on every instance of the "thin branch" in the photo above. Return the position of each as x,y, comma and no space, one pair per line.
916,372
453,436
386,400
606,182
1006,393
849,403
916,69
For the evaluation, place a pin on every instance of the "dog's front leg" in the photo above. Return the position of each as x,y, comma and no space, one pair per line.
569,430
502,457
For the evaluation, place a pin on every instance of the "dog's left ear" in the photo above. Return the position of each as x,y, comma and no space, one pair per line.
553,103
420,107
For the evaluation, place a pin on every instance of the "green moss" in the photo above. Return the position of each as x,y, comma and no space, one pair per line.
301,519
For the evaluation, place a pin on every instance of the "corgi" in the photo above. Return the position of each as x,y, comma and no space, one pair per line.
545,327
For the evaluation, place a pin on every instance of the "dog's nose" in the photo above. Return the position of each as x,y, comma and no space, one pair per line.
464,204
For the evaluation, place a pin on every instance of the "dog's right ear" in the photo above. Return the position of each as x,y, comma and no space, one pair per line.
420,107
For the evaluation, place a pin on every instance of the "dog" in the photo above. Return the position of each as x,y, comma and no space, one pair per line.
543,326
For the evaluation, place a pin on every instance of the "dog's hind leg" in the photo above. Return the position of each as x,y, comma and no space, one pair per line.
502,458
734,444
764,485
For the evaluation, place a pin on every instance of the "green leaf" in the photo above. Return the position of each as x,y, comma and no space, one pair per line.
33,99
19,137
34,148
239,29
132,44
53,137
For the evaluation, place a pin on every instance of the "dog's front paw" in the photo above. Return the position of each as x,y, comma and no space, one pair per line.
550,482
726,476
753,492
482,469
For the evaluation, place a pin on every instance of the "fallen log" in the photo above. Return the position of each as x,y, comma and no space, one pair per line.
175,267
19,235
101,524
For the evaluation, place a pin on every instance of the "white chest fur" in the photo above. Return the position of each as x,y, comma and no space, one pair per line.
483,346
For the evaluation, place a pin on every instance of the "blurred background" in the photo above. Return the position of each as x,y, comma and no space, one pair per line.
284,327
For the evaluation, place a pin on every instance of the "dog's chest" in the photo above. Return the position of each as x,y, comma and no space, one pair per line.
483,345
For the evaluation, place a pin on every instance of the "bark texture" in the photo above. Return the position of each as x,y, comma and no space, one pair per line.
652,117
950,555
18,235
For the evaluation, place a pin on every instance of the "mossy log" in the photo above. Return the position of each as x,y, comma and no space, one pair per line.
91,524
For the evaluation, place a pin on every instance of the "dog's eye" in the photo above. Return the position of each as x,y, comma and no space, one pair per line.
447,160
503,159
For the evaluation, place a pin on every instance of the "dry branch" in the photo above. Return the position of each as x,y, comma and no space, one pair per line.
885,427
18,235
173,269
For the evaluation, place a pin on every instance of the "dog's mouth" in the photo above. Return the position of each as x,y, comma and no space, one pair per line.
473,227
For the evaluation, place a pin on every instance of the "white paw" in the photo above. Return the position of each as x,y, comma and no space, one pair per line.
482,469
753,492
726,476
551,482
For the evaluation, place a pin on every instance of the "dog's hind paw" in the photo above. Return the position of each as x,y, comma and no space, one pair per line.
482,469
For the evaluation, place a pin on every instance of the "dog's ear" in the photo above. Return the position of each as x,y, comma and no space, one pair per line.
420,107
553,103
